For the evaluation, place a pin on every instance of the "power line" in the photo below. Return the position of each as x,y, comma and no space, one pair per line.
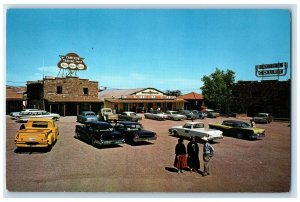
15,81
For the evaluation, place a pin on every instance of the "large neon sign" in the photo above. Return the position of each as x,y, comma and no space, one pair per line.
71,61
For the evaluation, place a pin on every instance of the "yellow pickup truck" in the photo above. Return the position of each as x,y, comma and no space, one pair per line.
38,132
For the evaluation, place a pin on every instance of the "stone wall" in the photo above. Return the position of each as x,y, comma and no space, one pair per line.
71,88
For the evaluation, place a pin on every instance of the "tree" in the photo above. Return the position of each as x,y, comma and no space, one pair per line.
217,89
173,92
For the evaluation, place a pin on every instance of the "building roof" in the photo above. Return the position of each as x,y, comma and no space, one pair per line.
118,93
15,92
191,96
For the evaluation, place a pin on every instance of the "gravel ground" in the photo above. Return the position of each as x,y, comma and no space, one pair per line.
260,166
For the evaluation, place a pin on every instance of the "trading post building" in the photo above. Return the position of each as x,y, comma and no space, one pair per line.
70,95
66,96
139,100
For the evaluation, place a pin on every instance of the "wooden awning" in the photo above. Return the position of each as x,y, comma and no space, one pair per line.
145,101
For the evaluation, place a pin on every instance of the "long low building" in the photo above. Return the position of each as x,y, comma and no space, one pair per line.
139,100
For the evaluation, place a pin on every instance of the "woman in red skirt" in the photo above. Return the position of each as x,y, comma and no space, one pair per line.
180,159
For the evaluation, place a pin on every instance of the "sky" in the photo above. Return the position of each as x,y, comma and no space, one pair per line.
167,49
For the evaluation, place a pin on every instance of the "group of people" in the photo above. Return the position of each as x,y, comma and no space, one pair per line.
188,157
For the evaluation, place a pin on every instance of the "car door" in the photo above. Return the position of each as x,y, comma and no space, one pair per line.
185,130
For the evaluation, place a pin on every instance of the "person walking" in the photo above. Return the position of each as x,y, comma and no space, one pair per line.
180,161
252,123
208,153
193,155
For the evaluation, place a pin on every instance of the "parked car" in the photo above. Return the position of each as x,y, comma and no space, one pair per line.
24,116
106,114
99,133
212,113
134,132
156,115
87,116
13,115
174,115
197,130
262,118
199,114
188,114
129,116
239,129
38,132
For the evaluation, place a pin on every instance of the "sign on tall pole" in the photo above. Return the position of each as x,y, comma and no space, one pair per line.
271,70
70,64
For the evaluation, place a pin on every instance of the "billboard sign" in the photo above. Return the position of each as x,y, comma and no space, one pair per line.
270,70
71,61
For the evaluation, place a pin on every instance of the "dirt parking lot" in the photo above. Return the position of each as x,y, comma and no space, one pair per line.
75,166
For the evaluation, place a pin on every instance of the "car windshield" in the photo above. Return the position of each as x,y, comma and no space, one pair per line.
199,125
40,124
134,126
90,114
187,125
261,115
173,112
244,125
103,128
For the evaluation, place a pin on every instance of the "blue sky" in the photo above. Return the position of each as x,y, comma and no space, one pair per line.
134,48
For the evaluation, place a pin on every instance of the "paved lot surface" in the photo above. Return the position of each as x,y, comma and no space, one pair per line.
75,166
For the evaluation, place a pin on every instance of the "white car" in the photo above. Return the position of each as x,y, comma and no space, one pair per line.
14,115
197,130
24,116
174,115
156,115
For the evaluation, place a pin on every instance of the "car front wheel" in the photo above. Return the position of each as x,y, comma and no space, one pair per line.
77,134
93,141
239,136
175,133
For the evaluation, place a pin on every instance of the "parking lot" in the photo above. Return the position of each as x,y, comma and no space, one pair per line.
75,166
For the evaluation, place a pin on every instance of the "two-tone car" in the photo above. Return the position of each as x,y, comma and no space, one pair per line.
197,130
134,132
174,115
239,129
24,116
99,133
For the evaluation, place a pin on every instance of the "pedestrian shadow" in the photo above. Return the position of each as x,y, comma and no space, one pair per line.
171,169
174,170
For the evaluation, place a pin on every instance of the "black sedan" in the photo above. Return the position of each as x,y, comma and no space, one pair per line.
98,132
134,132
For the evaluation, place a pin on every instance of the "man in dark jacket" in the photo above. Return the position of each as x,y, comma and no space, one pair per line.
193,155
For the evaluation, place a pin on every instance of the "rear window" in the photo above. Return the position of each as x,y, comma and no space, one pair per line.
40,124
